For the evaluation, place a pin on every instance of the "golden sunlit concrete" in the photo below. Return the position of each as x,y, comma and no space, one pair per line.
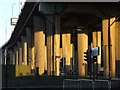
117,47
19,53
32,58
24,50
82,47
105,47
97,42
67,50
112,48
39,43
49,32
57,45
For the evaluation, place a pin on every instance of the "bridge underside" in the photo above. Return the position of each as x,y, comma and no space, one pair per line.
53,37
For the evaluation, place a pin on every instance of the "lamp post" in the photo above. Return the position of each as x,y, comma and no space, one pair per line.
12,9
6,30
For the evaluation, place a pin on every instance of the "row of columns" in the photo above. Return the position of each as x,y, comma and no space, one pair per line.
31,49
114,46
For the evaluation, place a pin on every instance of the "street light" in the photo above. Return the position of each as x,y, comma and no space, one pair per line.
12,9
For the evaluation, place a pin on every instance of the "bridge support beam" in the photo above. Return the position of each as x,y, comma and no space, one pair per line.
24,50
49,34
82,47
57,45
67,50
112,47
19,53
39,43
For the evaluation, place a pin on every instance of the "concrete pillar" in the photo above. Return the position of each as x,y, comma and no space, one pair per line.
97,42
29,44
19,53
49,33
82,47
112,47
117,48
1,56
15,55
57,45
105,47
24,50
13,62
4,60
32,51
11,57
67,50
39,43
32,58
45,63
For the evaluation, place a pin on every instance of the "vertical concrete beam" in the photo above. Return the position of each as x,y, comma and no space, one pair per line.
24,50
105,47
97,42
67,50
49,33
82,47
32,58
57,45
11,57
45,63
99,45
32,51
29,44
19,53
112,48
15,55
39,43
117,47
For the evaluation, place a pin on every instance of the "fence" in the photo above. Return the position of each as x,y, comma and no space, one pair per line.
83,84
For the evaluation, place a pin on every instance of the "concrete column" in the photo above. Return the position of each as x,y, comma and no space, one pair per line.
29,44
4,60
15,55
82,47
11,57
24,50
33,58
67,50
49,33
1,56
105,47
57,45
32,51
13,62
45,63
117,48
19,53
39,43
97,42
112,47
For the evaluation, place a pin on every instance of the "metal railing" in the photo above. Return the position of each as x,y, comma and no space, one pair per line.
83,84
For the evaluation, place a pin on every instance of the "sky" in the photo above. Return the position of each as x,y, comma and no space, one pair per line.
8,9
